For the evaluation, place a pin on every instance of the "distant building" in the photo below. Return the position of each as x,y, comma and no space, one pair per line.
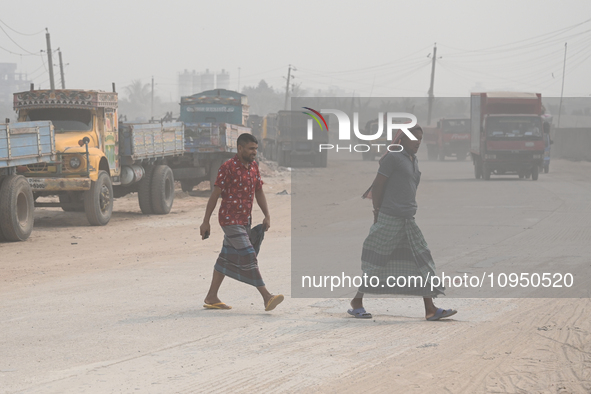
11,82
222,80
195,82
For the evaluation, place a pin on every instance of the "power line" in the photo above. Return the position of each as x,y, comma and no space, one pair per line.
559,31
16,43
17,32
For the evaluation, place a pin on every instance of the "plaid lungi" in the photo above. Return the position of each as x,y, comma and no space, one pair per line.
238,258
395,247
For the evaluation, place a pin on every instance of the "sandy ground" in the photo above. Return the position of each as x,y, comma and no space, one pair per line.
118,309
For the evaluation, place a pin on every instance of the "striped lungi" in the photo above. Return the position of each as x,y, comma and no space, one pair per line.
395,247
238,258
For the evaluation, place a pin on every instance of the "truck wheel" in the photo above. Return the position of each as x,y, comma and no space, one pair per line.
213,171
98,201
16,208
477,169
73,201
162,190
431,153
187,185
534,173
486,172
281,158
284,159
144,190
324,159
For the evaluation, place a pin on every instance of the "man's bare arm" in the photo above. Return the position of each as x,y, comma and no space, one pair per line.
213,200
377,191
377,194
262,202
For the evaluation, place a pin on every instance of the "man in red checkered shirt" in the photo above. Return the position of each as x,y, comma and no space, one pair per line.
238,183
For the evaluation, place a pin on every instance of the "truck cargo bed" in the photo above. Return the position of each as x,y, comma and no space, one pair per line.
25,143
152,140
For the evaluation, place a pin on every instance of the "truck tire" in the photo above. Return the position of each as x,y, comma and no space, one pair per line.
534,173
144,191
162,190
477,169
74,201
187,185
16,208
213,171
324,159
284,158
98,201
486,172
2,239
431,153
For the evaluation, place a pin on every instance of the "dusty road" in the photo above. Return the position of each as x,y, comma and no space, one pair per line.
118,308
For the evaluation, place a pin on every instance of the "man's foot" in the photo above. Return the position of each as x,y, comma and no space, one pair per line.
214,303
217,305
440,313
359,313
272,301
357,303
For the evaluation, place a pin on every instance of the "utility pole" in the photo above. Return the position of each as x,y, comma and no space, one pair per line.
152,102
431,96
562,90
287,87
61,69
49,60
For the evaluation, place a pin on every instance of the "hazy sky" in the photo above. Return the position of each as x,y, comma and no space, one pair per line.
374,48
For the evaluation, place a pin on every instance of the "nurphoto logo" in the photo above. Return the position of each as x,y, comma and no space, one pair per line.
394,121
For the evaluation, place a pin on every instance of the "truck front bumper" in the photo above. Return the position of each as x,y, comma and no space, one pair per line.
59,184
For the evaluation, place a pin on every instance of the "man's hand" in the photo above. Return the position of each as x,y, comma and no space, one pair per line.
266,223
205,230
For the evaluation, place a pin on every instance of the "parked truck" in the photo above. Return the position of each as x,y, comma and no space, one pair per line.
98,159
21,144
291,141
450,138
269,133
506,134
213,121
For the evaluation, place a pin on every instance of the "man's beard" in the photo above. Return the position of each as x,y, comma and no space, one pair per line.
247,158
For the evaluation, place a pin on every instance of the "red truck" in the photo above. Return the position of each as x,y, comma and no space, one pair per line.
506,134
451,137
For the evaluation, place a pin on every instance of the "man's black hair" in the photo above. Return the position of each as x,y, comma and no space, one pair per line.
246,138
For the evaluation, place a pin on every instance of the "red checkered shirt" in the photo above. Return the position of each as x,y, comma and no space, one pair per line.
238,183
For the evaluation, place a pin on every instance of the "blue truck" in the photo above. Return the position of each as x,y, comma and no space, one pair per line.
213,121
21,144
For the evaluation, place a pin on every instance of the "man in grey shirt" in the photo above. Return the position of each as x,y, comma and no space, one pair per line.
395,247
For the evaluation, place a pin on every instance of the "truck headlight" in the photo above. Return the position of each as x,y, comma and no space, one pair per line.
75,162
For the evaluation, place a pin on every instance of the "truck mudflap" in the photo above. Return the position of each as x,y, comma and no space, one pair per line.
59,184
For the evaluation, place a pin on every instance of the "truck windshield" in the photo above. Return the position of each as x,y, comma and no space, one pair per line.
64,119
456,126
514,127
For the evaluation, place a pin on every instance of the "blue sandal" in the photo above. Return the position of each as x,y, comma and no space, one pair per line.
359,313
